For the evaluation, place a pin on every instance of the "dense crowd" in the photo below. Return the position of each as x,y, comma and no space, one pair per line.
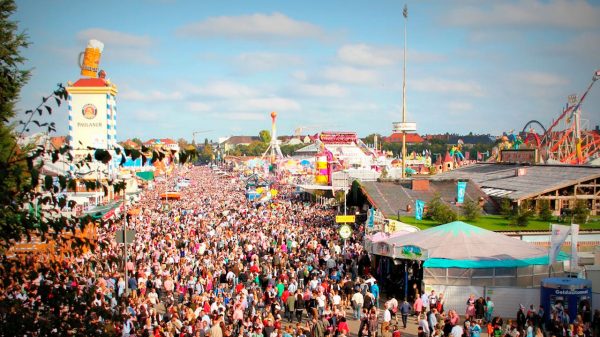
215,264
209,264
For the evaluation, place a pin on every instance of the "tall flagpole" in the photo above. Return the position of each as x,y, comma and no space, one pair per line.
405,13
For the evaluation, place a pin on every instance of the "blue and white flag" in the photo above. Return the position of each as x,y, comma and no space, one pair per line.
419,206
460,192
559,235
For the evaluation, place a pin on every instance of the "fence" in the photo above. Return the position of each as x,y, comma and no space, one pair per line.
506,299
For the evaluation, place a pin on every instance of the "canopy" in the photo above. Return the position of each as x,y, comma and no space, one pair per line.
460,245
146,175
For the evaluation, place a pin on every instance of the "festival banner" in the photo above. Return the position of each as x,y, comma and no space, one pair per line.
559,235
419,206
574,242
371,218
460,192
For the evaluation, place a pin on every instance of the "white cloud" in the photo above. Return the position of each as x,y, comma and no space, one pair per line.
223,89
321,90
554,13
150,96
270,104
115,38
120,46
379,56
242,116
299,75
146,115
458,106
351,75
198,107
446,86
366,55
254,26
263,61
585,45
539,79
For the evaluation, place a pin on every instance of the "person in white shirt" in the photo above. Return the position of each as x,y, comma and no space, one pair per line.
457,331
357,302
424,325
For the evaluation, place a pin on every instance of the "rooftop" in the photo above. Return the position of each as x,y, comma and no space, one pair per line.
391,197
501,179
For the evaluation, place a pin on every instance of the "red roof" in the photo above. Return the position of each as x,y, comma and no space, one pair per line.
447,158
90,82
410,138
58,142
168,141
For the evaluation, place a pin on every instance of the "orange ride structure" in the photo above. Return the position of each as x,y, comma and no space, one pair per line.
573,143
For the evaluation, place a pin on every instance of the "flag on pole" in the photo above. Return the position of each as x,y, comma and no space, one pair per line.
460,192
419,206
559,235
405,11
574,241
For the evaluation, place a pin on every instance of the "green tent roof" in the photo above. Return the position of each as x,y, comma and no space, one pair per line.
146,175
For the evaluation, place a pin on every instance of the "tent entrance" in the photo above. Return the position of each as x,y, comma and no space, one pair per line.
399,278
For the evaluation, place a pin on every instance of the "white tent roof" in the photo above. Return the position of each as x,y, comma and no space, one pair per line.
465,245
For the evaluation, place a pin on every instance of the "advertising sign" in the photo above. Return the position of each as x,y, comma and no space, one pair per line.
525,156
419,206
345,218
338,137
461,189
89,121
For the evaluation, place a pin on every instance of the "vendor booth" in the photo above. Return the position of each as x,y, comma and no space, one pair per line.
461,259
566,298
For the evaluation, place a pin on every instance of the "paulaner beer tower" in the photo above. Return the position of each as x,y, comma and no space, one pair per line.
92,114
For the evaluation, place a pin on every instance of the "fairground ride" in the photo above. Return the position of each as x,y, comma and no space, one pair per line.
575,144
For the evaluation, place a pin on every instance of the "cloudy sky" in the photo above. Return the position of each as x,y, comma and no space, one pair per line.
185,66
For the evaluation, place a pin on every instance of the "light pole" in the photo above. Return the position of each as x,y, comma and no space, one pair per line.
404,126
405,14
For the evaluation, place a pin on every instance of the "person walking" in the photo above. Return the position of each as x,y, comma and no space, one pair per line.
357,303
489,309
375,292
405,311
418,306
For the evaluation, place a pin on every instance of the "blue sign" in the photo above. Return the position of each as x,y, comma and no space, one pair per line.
419,206
460,192
371,219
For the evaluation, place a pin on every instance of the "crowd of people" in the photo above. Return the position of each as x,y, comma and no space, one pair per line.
208,264
213,264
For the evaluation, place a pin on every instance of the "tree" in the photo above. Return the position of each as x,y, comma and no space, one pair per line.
207,153
522,214
544,211
471,210
137,141
440,212
581,212
182,142
370,139
506,208
265,136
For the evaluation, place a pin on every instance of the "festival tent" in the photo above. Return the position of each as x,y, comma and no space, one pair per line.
375,244
460,245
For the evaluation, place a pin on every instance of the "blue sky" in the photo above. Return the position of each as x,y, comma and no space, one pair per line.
185,66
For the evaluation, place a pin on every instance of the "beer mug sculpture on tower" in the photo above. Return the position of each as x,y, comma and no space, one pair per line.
89,60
